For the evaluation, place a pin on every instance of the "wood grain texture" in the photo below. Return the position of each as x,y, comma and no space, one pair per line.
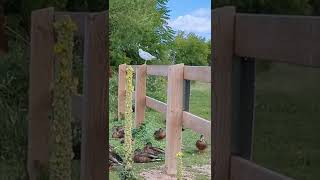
40,89
223,29
197,124
197,73
94,125
156,105
140,94
242,169
292,39
121,91
174,117
157,70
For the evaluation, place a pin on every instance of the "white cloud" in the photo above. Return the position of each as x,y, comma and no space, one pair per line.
198,21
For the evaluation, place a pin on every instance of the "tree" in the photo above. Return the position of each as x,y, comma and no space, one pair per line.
191,49
139,22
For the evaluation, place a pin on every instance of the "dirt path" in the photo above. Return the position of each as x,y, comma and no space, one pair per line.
188,173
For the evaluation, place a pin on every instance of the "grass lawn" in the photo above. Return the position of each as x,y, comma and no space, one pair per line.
288,121
199,105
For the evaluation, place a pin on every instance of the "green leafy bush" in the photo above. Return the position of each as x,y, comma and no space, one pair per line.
13,110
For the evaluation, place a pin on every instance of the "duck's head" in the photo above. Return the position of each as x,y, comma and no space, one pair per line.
149,144
137,150
201,137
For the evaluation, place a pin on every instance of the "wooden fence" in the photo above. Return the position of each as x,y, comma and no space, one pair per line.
238,39
89,109
176,117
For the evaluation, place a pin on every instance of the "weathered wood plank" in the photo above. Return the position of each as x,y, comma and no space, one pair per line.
40,90
197,73
223,29
77,108
292,39
197,124
77,17
140,98
174,117
157,70
242,169
94,125
156,105
121,91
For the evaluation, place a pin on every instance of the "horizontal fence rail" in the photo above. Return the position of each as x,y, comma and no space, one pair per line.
197,124
242,169
291,39
197,73
156,105
194,73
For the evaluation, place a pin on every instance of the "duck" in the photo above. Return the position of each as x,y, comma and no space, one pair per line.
159,134
143,157
114,158
118,132
201,144
148,148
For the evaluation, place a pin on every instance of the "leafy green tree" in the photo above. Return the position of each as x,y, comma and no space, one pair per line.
138,23
191,49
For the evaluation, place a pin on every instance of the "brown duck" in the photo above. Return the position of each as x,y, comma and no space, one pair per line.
118,132
201,144
143,157
148,148
159,134
114,158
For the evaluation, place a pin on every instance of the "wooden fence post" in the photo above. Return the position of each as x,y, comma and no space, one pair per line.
223,44
94,125
122,91
140,99
41,77
174,117
243,107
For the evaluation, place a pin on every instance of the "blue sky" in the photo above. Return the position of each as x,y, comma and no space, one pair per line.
191,16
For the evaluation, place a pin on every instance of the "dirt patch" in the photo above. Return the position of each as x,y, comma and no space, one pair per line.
205,169
161,175
188,173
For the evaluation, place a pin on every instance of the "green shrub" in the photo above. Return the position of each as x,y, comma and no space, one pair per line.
13,110
157,88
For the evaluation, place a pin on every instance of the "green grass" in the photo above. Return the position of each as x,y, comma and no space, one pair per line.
287,121
199,105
